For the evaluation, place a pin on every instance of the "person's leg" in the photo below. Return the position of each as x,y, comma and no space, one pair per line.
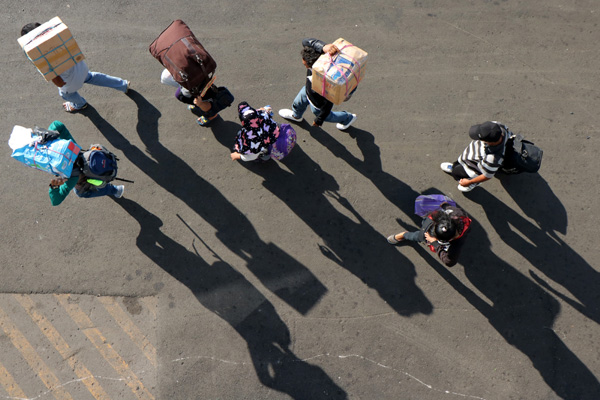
458,171
74,98
107,190
342,117
300,103
417,236
100,79
184,96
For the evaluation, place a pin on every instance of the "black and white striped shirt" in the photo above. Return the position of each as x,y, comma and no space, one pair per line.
481,159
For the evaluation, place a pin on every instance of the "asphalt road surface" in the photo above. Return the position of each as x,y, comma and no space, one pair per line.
215,279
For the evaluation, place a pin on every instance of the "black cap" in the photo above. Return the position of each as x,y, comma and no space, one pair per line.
488,132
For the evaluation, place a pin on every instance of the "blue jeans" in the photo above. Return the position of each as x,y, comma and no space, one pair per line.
97,79
107,190
301,103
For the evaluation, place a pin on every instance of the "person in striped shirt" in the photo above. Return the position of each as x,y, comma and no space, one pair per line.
482,158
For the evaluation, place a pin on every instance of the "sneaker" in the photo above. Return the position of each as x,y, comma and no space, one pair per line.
128,86
120,190
446,167
467,188
289,114
344,127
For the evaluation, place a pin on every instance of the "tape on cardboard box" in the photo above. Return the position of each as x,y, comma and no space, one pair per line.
336,77
52,48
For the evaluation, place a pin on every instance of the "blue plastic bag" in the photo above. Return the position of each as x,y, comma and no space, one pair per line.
56,157
426,203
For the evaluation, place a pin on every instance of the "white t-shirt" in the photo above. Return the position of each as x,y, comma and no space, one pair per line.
74,77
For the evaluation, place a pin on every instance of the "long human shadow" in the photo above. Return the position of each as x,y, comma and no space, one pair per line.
526,326
349,240
278,271
393,189
541,245
225,292
520,311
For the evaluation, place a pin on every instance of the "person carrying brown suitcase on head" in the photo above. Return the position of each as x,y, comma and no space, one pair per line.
207,105
190,68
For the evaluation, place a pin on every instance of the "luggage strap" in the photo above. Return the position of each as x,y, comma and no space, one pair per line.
331,63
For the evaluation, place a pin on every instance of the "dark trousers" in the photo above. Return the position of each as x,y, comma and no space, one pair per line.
458,171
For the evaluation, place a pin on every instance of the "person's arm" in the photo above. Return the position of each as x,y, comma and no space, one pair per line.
314,43
477,179
62,130
450,257
331,48
325,110
58,81
249,157
320,46
60,189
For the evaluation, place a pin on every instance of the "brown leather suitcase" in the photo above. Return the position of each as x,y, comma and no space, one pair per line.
178,50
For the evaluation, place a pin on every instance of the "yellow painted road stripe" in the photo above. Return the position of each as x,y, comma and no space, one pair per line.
150,303
62,347
101,344
130,328
32,358
10,385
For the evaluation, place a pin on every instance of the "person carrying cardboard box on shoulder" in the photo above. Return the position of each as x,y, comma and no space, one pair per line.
71,80
320,106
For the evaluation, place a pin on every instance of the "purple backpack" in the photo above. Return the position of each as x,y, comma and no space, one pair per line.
426,203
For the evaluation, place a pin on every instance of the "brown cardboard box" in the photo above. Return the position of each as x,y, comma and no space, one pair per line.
52,48
336,77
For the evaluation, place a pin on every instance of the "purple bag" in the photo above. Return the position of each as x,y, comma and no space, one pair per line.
426,203
285,142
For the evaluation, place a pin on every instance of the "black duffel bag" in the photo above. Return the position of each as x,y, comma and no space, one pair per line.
521,156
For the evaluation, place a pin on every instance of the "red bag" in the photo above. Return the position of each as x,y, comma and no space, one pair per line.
178,50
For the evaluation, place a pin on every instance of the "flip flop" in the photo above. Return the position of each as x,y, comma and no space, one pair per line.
70,107
203,121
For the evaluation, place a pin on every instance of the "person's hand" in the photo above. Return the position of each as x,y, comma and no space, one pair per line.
464,182
430,239
58,81
331,49
235,156
315,123
57,181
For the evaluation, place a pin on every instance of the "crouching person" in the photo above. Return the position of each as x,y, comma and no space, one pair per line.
91,176
443,230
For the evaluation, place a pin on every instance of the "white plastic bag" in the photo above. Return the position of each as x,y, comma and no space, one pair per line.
20,137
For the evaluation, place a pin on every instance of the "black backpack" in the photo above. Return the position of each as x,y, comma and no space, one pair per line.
521,156
98,165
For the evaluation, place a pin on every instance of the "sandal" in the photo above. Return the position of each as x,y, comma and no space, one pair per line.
392,239
70,107
203,121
